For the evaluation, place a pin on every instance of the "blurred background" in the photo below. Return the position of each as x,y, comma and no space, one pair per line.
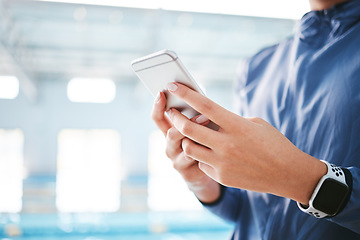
80,157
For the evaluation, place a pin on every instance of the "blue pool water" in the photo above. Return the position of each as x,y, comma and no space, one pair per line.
116,226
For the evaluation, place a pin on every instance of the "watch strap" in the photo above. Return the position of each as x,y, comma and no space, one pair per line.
333,172
349,182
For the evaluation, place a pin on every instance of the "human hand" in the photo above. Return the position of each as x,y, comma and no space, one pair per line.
245,153
205,188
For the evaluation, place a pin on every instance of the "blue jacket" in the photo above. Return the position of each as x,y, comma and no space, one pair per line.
308,87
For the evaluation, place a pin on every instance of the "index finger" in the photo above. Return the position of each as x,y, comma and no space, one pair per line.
201,103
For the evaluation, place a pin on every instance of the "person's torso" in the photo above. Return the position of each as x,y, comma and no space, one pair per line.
309,89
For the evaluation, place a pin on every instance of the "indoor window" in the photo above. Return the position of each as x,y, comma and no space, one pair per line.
11,169
91,90
9,87
88,171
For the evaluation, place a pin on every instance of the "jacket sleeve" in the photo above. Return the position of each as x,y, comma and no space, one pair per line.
229,205
349,217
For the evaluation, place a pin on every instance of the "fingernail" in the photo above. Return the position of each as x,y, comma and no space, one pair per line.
201,119
172,87
169,112
157,98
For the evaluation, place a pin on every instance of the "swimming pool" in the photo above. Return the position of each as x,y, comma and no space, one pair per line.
115,226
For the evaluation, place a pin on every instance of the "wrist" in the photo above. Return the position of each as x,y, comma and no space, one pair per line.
303,174
331,193
315,173
207,190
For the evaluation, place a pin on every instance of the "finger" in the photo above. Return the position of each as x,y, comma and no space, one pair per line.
173,142
201,119
187,167
173,135
158,113
196,151
202,104
174,138
192,130
208,170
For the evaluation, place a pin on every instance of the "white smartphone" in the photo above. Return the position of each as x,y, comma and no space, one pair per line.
158,69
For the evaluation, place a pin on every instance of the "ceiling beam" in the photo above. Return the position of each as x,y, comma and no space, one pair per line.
27,85
9,45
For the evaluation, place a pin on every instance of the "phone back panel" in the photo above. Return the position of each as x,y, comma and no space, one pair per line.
157,71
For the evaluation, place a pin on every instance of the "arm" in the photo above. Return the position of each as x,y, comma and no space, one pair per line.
246,153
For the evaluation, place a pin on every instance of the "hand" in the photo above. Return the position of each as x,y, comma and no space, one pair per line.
245,153
205,188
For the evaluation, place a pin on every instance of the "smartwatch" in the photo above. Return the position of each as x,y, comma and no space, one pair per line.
329,194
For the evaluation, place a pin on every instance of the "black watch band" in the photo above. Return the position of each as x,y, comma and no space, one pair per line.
349,182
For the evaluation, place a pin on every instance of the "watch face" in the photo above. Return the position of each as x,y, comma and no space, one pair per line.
330,196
